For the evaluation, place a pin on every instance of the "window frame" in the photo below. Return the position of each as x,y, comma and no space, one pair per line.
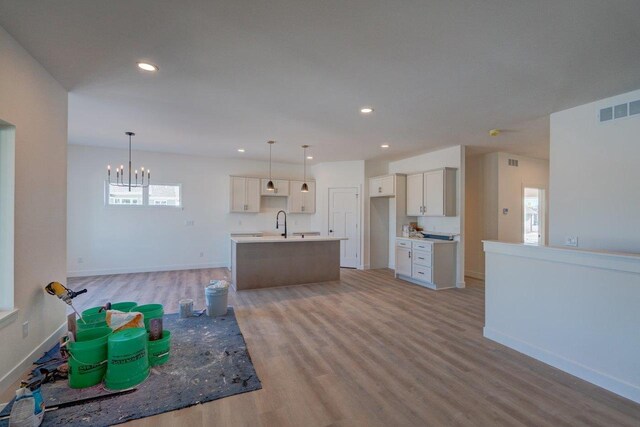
8,309
145,198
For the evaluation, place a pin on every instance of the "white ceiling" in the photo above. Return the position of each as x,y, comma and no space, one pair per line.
235,73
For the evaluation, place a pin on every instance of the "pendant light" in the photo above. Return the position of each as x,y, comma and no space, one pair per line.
270,186
305,187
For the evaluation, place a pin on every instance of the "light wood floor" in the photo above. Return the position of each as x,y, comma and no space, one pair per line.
371,350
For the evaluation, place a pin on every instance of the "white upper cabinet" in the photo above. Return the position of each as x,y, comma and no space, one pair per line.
382,186
415,194
281,187
432,193
244,194
299,202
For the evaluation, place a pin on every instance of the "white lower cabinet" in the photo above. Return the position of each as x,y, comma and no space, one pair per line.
426,263
403,261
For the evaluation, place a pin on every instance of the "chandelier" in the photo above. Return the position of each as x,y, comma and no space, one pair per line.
120,182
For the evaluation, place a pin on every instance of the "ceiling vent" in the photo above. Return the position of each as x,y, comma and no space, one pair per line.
513,162
619,111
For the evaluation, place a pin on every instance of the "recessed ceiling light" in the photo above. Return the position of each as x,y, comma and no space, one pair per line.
384,146
240,150
309,157
366,110
147,67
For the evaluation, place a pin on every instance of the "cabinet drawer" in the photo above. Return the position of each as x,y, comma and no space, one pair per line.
422,258
423,246
421,273
403,243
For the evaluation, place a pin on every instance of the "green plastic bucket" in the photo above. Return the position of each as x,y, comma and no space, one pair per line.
120,306
88,357
123,306
93,310
149,311
91,321
159,349
128,363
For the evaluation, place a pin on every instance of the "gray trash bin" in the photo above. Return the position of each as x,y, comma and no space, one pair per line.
216,296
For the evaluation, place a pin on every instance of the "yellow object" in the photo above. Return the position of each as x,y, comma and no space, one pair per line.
57,289
494,132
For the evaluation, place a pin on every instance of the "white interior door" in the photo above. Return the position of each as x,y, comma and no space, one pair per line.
344,221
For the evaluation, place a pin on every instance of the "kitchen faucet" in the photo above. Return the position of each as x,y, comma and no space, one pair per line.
285,222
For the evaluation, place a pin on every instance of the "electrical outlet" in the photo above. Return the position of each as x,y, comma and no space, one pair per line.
25,329
189,223
201,254
80,260
571,241
505,211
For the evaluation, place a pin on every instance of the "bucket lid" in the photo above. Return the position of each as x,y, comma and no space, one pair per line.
128,335
147,308
217,285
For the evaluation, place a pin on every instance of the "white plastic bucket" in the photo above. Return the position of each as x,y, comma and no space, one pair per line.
216,296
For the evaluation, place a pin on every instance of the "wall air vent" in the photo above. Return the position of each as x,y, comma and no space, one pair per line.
513,162
619,111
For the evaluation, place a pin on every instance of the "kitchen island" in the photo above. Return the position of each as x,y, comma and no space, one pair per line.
266,262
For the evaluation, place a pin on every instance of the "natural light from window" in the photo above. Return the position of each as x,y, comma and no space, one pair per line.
164,195
153,195
7,213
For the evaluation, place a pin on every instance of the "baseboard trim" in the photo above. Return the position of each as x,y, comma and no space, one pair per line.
461,285
474,275
615,385
14,374
104,272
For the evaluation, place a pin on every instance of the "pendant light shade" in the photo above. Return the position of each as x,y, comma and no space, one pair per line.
305,187
270,186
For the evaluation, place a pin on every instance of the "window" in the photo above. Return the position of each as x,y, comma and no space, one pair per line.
164,195
122,195
153,195
7,214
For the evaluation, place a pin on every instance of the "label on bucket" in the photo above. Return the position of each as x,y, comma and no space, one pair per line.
131,358
85,369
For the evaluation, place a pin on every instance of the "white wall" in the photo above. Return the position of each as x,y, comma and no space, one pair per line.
338,175
115,239
530,172
32,101
493,185
475,216
575,310
453,157
595,178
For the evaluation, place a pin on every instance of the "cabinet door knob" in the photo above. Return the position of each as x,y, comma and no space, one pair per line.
409,254
330,231
379,189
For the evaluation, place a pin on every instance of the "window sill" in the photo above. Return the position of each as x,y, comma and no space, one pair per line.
8,316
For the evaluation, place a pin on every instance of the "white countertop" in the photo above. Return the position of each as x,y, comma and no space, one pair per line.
289,239
422,239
